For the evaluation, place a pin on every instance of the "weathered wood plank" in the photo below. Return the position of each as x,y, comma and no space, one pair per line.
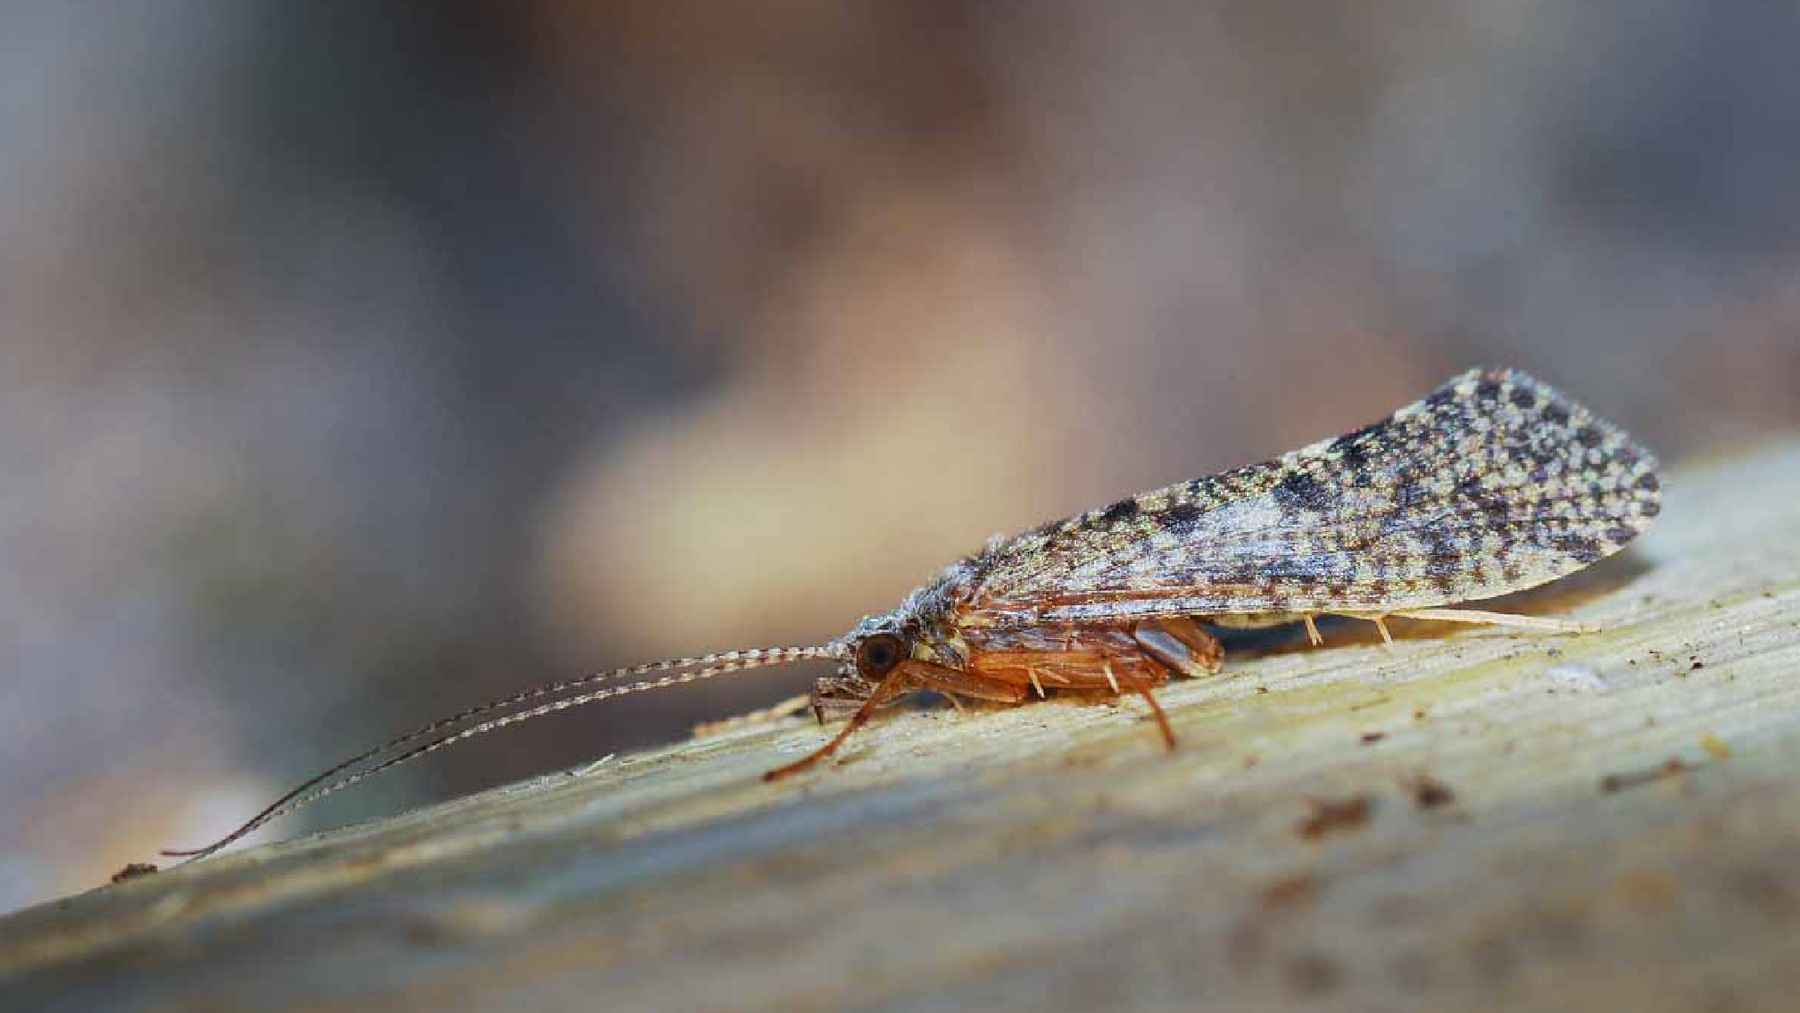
1053,856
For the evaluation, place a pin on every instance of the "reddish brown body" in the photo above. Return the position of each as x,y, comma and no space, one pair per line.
1008,665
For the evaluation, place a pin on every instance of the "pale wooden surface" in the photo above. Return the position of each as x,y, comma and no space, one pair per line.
1054,857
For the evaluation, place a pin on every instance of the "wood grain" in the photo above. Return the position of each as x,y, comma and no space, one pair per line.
1609,820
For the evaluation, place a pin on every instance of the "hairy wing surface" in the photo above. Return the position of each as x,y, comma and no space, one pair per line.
1493,483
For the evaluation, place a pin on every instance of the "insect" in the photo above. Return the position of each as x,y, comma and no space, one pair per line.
1493,483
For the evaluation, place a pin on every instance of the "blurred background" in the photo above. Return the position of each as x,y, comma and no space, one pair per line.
358,361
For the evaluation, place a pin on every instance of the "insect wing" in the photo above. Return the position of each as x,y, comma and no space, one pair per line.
1493,483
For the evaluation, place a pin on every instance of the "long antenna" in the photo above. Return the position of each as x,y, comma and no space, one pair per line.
705,666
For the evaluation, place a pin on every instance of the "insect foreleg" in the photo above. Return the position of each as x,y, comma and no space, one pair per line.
897,682
909,675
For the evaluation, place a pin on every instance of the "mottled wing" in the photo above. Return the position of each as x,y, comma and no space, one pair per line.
1493,483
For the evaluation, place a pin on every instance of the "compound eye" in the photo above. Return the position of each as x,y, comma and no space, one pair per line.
877,656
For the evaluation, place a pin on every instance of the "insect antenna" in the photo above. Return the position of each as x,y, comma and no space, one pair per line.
429,738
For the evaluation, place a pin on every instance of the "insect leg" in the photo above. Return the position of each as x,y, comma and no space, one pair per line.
1474,616
1180,645
1378,618
1162,720
1144,687
1117,662
1381,624
907,676
954,683
1497,619
898,681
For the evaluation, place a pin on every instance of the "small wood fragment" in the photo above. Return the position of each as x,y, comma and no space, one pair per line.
133,871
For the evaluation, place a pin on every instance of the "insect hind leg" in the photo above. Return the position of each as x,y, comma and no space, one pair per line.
1477,616
1471,616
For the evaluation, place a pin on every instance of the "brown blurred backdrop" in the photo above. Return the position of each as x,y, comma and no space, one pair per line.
358,361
